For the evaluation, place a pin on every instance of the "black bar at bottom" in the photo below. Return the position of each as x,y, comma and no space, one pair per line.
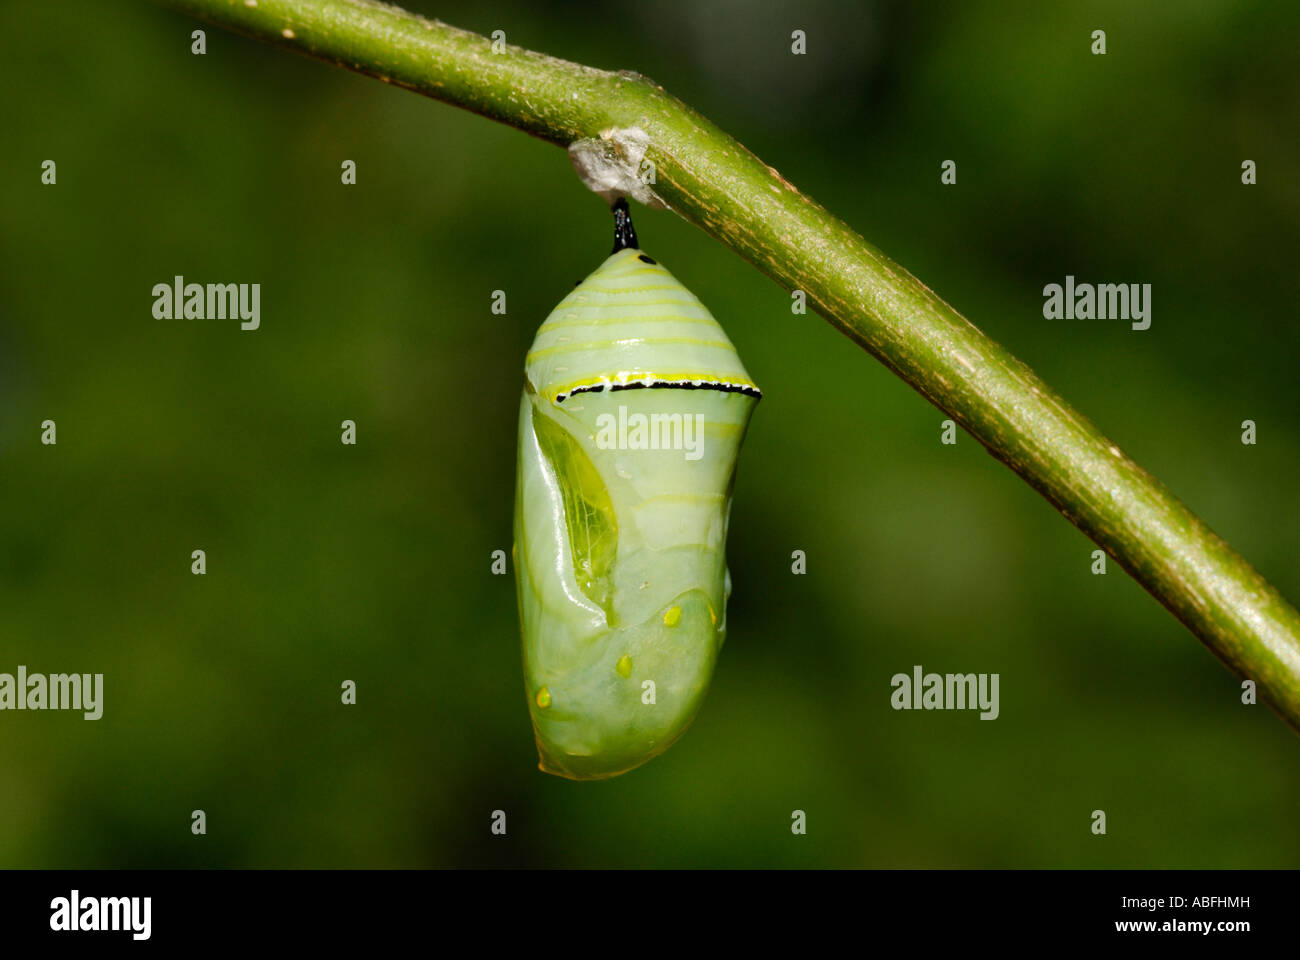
547,911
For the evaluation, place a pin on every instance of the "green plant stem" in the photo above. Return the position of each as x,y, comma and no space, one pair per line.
713,181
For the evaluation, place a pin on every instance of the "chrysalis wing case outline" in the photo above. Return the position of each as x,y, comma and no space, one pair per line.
634,407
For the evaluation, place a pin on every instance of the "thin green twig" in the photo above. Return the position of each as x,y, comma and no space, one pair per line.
713,181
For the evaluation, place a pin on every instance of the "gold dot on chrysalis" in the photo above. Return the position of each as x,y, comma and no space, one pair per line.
672,616
624,666
544,698
713,617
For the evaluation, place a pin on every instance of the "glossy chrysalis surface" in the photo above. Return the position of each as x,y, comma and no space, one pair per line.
635,404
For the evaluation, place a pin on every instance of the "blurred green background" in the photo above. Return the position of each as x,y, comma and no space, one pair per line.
371,563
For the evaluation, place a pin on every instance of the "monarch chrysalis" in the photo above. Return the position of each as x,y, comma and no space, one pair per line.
634,407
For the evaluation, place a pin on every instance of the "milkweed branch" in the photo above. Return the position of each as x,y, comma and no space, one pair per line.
713,181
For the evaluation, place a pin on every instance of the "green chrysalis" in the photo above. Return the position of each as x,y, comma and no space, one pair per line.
635,404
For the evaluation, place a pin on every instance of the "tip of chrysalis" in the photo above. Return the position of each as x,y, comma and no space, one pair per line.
624,232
